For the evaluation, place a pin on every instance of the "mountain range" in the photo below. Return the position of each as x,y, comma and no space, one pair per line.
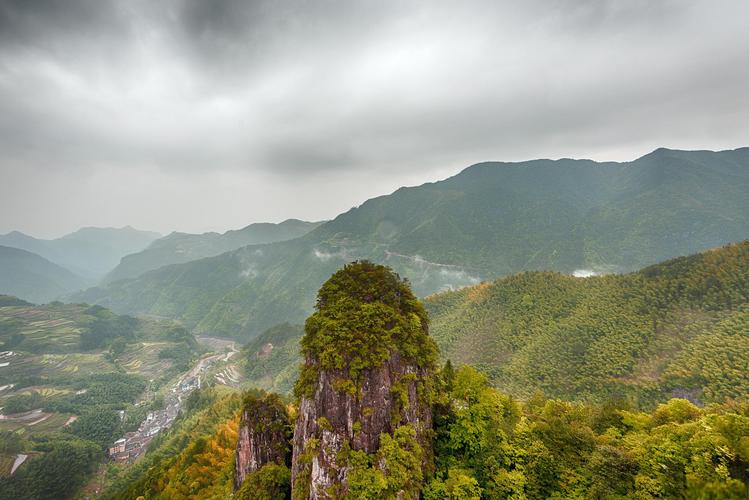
27,275
88,256
90,252
490,220
675,329
177,248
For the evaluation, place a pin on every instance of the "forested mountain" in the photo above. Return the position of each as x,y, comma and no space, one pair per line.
31,277
373,417
490,220
678,329
90,252
177,248
489,445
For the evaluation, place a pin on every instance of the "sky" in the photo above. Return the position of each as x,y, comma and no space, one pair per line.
199,115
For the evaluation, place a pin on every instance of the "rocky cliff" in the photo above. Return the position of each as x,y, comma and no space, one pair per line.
364,423
264,435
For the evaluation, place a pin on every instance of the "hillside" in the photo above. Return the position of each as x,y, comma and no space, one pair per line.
89,252
50,346
492,219
194,459
372,423
73,378
271,360
680,328
674,329
177,248
34,278
488,445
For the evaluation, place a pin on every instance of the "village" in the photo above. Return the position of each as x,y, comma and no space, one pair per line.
133,444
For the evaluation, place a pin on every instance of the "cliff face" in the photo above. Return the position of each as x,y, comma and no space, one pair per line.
264,434
332,419
367,373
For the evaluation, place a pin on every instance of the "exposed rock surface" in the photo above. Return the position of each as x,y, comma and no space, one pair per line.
356,420
264,434
358,382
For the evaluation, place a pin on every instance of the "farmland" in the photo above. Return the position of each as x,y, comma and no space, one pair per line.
73,373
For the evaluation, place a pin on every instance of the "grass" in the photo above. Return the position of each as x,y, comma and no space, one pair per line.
44,422
6,464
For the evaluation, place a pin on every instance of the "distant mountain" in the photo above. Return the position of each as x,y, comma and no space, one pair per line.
34,278
89,252
177,248
492,219
676,329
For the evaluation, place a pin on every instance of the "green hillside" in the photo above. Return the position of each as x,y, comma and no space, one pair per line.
89,252
271,360
51,352
488,445
34,278
193,459
679,329
73,378
492,219
177,248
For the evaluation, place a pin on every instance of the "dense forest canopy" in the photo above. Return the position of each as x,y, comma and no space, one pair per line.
489,445
680,328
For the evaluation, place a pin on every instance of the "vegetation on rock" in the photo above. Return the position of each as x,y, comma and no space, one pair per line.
265,432
364,313
364,417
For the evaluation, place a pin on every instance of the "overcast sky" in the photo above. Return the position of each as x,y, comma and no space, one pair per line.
195,115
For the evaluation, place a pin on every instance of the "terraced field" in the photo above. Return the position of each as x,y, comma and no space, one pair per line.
143,359
47,368
60,362
53,328
34,421
6,464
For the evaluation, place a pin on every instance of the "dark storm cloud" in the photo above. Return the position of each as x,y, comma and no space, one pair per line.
209,95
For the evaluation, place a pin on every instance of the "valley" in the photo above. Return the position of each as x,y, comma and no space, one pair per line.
383,250
537,323
206,370
119,397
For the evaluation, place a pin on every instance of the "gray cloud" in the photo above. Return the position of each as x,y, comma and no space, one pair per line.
268,109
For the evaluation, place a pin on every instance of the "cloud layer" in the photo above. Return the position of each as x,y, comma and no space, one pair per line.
197,115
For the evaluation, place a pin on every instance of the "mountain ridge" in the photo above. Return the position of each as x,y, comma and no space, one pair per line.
31,277
483,223
179,247
89,252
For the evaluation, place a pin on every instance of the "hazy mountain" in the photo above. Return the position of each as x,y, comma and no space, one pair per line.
34,278
177,248
490,220
89,252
